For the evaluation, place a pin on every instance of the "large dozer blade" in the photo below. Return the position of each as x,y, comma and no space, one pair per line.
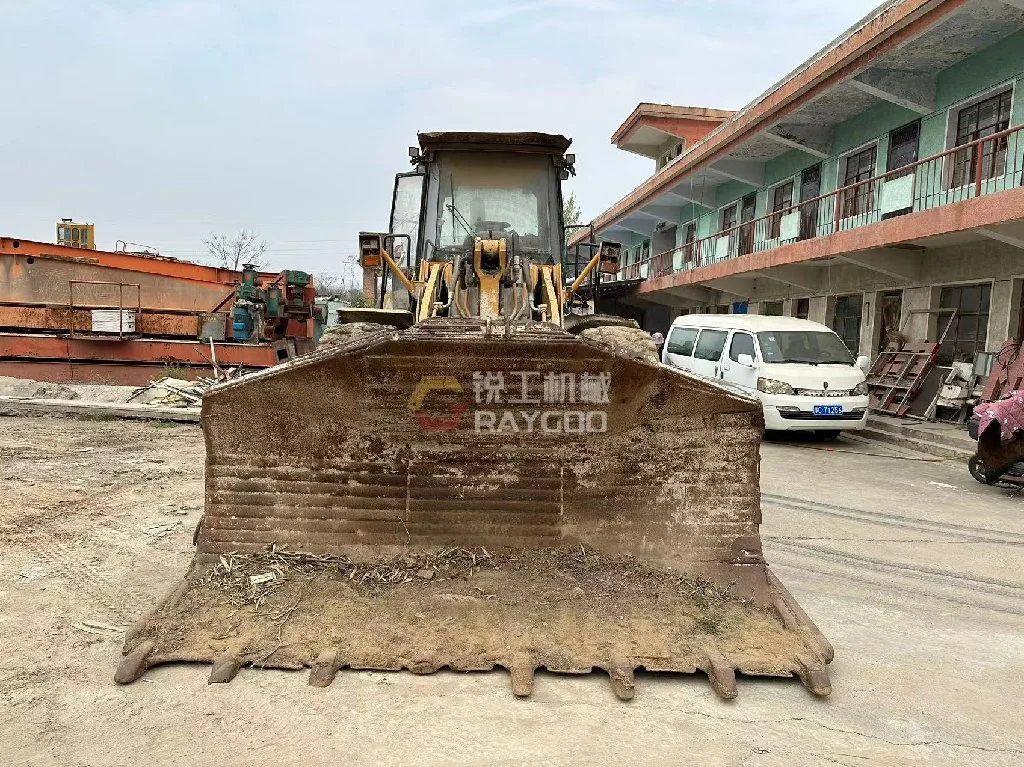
465,494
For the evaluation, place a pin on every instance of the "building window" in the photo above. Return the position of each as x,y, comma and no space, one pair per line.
975,122
903,146
781,202
802,308
671,155
771,308
727,218
858,168
846,321
969,329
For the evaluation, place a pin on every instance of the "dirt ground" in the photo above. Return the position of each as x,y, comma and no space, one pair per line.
910,568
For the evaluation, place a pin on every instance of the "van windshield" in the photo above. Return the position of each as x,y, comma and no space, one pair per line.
804,346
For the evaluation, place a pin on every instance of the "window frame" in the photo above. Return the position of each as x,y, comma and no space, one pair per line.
842,182
993,153
980,339
753,344
894,172
735,208
693,341
721,350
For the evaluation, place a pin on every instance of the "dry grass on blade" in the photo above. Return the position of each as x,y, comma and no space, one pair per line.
251,578
248,579
603,576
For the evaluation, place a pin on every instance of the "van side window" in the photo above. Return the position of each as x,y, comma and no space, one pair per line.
680,341
742,343
710,345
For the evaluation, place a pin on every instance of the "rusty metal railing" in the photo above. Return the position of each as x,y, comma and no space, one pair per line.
121,334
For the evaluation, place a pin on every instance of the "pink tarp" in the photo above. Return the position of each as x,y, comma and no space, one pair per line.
1008,412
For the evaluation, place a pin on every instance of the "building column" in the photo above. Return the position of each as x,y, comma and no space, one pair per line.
870,321
1004,312
788,307
754,307
820,309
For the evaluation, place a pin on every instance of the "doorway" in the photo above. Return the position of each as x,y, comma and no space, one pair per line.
890,309
747,208
664,249
810,188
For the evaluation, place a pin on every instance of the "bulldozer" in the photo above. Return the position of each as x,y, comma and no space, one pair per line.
473,473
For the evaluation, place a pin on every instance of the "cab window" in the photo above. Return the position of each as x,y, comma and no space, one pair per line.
742,343
710,345
680,341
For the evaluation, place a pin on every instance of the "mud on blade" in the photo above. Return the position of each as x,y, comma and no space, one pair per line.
468,496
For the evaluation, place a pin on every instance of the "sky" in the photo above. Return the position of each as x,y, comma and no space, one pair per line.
165,122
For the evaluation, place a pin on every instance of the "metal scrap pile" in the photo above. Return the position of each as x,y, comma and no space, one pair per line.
178,392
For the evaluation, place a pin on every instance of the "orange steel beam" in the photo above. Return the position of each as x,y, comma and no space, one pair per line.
64,371
45,281
167,267
24,347
61,318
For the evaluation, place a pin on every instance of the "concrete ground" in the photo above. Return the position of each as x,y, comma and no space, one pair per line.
910,567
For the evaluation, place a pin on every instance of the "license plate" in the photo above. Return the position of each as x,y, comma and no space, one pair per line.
828,409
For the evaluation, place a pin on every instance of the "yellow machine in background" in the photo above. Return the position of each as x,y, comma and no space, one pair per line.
76,235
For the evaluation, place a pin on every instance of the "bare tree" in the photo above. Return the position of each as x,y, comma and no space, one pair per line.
231,253
329,284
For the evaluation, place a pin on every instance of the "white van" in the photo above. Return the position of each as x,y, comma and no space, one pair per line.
801,371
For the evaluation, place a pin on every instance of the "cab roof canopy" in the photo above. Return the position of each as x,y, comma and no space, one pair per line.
544,143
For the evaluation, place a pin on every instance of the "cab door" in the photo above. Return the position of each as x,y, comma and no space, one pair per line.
708,351
741,373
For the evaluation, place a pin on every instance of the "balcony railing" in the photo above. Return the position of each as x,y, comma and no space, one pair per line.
991,164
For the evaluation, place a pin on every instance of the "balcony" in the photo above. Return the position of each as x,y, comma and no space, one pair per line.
992,164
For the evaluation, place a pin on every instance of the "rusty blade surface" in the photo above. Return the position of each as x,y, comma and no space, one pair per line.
521,440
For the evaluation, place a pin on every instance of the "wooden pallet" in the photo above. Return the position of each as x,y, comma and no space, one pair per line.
896,377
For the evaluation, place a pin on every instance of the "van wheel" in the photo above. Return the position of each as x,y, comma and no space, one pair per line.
828,435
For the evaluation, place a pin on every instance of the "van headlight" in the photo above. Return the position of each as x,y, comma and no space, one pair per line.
772,386
861,389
